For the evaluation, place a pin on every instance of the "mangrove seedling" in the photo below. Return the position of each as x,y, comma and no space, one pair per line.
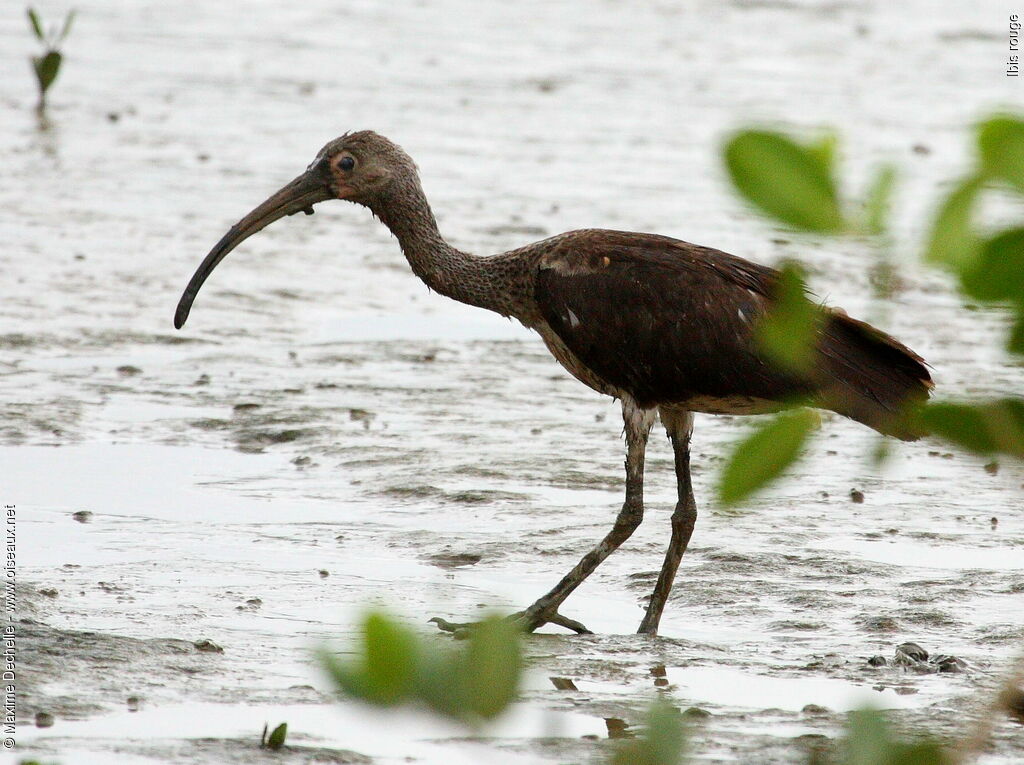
275,741
48,64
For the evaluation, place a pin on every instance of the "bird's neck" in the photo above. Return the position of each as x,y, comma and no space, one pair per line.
468,278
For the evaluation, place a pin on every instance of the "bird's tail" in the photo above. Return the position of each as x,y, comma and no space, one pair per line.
871,377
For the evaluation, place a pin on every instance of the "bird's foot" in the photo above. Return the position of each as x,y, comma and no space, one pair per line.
528,620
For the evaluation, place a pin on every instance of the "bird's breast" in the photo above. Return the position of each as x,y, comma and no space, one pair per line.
572,363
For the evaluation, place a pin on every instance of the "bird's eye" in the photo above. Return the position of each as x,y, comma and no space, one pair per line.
346,164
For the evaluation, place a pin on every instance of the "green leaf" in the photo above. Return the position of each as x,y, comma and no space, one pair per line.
788,332
785,180
663,741
1001,141
765,453
876,204
491,667
67,26
391,657
471,685
998,272
276,740
348,680
37,27
881,451
919,753
953,242
867,741
824,151
1015,343
440,686
993,427
389,666
962,424
46,69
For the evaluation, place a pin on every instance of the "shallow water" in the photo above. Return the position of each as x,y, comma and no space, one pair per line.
322,412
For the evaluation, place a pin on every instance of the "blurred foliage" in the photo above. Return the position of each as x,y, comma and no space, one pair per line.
794,184
662,742
768,450
47,66
988,428
1001,146
869,741
786,180
788,331
275,741
878,200
471,682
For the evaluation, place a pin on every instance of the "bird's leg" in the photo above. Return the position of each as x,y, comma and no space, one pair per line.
679,426
638,424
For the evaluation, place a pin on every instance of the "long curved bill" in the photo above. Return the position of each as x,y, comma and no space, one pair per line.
298,196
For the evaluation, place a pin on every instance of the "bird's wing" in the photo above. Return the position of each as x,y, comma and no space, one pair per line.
662,319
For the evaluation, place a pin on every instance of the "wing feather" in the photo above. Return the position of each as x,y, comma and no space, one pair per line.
673,323
664,320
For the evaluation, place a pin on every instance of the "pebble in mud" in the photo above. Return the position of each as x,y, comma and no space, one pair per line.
856,496
879,623
617,728
660,676
44,720
910,653
914,657
1013,703
949,664
207,646
251,604
362,415
449,559
563,684
134,703
815,710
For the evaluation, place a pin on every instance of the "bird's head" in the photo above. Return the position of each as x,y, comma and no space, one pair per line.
361,167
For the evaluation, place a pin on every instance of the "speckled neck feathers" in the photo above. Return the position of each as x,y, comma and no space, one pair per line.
496,283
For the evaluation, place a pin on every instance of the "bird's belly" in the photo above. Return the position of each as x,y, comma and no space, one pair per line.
573,365
731,404
727,405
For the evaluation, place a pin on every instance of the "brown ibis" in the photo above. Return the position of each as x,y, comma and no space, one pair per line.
664,326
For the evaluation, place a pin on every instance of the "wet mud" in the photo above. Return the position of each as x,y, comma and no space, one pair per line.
327,435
